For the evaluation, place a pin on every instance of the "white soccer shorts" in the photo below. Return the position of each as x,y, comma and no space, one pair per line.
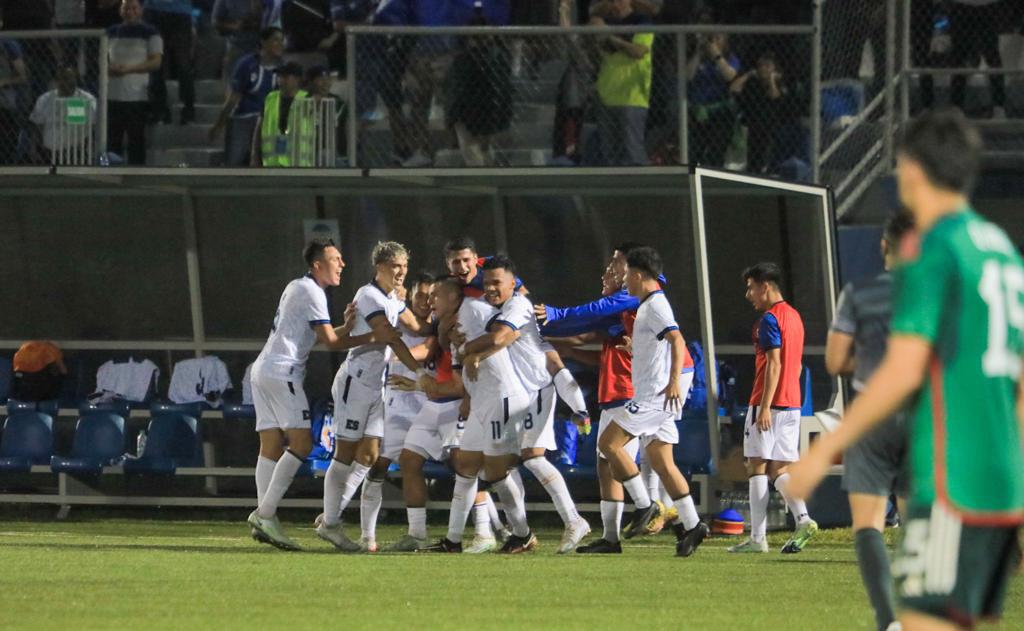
650,421
632,447
279,404
400,412
492,422
435,431
537,428
781,442
358,409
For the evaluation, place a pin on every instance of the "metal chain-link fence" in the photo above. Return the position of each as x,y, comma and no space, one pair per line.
591,96
52,85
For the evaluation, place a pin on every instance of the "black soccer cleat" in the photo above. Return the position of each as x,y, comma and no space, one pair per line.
518,545
687,541
601,546
444,545
641,519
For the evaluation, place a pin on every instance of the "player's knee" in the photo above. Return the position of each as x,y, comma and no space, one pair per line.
367,453
300,449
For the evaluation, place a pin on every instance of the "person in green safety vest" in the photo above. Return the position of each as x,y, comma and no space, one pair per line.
282,140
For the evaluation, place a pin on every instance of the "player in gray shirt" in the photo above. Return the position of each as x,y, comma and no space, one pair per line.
874,467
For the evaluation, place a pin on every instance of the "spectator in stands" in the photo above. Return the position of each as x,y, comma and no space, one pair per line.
102,13
428,63
13,81
251,81
712,111
135,51
767,109
239,22
173,18
345,13
275,137
974,27
44,114
478,90
318,84
38,371
623,89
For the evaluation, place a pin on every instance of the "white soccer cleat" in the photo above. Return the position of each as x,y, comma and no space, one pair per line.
407,543
367,545
270,528
482,545
573,535
335,535
748,545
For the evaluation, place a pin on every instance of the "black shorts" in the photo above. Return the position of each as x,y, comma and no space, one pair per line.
950,570
877,464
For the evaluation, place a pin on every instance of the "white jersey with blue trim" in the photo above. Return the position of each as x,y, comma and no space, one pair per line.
303,305
527,352
652,355
368,363
496,376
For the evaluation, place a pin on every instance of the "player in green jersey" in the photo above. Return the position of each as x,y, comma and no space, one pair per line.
954,354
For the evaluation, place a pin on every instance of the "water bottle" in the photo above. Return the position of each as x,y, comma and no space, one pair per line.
140,443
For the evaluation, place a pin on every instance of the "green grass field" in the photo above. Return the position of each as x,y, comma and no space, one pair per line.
131,573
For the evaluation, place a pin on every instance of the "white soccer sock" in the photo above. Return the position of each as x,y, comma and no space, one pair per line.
666,499
650,477
264,473
462,503
569,391
492,511
417,521
687,511
284,473
512,502
758,507
334,485
482,521
611,520
796,506
638,491
553,482
355,478
516,479
369,507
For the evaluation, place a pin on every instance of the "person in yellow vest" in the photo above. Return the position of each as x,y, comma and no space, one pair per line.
283,140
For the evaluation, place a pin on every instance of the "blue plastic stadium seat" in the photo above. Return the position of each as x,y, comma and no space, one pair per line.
117,406
163,408
51,407
586,459
239,411
27,440
171,442
693,451
99,440
6,378
17,407
433,470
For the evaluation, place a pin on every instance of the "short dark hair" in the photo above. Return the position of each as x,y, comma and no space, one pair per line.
764,272
500,261
269,32
946,145
897,225
645,259
315,249
425,278
450,284
626,246
459,244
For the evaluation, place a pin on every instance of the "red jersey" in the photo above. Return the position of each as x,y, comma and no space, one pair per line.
615,379
443,367
780,327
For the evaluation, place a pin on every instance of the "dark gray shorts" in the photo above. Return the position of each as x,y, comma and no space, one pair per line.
877,464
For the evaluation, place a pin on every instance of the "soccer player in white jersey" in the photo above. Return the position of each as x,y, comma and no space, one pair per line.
400,409
282,411
660,388
358,388
498,403
536,433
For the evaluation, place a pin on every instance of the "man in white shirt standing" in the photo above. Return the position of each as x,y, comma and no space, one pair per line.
45,114
661,383
282,410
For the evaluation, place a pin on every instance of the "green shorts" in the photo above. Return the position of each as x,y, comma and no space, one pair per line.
950,570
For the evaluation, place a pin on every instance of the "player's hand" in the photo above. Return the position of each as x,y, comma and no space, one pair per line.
403,384
456,336
541,312
627,344
426,384
350,316
807,474
401,292
582,421
764,418
471,367
464,408
673,396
